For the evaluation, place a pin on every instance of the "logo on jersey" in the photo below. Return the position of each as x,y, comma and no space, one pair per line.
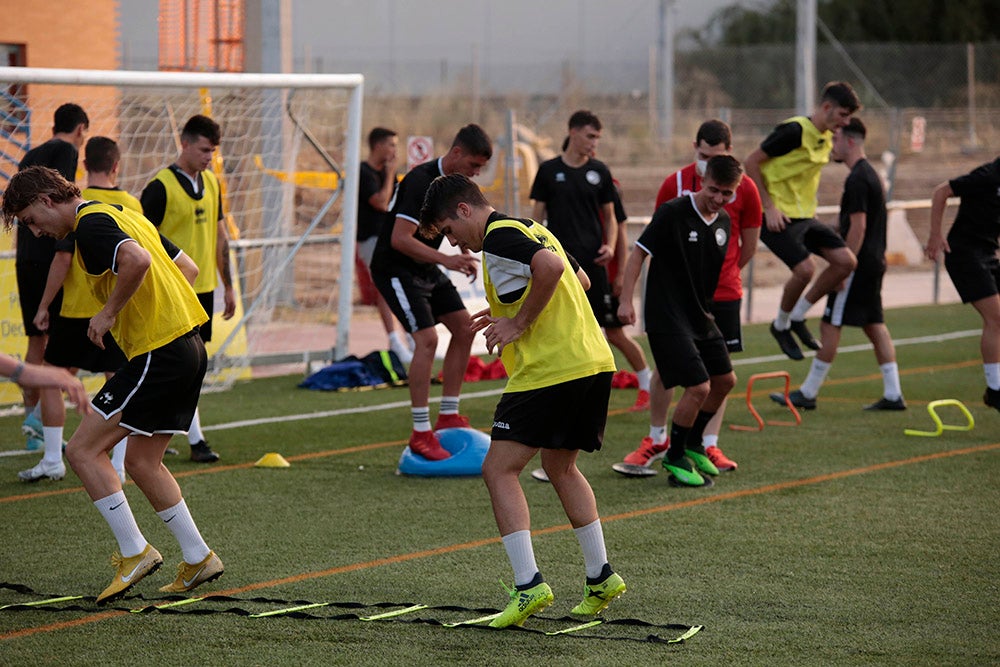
560,177
692,236
593,177
720,237
501,425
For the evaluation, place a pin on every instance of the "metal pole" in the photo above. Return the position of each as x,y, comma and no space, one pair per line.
970,57
512,190
805,56
666,48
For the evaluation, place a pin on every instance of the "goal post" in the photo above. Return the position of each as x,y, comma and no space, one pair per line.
288,168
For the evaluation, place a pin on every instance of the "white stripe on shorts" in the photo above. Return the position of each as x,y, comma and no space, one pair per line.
397,287
837,316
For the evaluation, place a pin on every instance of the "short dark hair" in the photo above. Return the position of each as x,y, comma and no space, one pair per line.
842,94
714,132
724,169
28,184
68,117
378,135
201,126
443,197
855,128
584,117
473,140
101,155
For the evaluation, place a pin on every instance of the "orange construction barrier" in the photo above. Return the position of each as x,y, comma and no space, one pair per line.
753,410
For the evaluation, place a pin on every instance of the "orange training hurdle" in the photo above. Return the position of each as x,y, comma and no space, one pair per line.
753,410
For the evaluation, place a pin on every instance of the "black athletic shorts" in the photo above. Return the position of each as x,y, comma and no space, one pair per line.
727,318
975,273
682,360
31,279
157,392
207,301
801,237
602,301
418,301
858,304
69,347
568,415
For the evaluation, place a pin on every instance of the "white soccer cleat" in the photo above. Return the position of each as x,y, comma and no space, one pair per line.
54,471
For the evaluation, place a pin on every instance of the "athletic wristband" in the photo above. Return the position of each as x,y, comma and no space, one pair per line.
16,375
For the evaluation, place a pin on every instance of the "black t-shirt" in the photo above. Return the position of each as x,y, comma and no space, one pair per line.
573,197
406,204
686,254
863,194
784,139
61,156
370,220
977,223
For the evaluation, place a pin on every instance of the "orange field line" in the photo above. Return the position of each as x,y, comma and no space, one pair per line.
464,546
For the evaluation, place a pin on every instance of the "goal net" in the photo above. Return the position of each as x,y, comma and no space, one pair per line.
287,165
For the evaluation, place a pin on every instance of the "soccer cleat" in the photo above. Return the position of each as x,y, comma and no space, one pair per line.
787,343
992,398
190,576
701,461
596,597
887,404
720,460
54,471
683,472
202,453
32,426
34,444
641,402
647,453
451,421
797,398
426,444
170,451
798,327
523,604
129,571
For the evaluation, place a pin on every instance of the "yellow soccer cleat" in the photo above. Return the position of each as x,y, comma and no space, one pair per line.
596,597
523,604
129,571
189,576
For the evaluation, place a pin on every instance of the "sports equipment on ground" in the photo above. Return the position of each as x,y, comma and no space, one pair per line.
190,576
523,604
54,471
129,572
288,171
597,597
466,447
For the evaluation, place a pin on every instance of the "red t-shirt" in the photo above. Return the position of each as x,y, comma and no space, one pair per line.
745,212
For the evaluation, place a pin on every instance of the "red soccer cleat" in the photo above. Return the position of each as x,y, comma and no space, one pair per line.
647,453
451,421
720,460
425,444
641,401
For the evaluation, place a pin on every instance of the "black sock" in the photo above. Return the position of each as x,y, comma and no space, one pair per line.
606,572
537,579
678,441
698,430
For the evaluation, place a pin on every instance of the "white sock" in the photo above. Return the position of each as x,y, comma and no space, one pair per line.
781,322
118,455
118,514
421,418
709,440
817,373
180,523
992,372
644,376
591,538
800,309
658,434
53,436
890,381
449,405
194,432
521,556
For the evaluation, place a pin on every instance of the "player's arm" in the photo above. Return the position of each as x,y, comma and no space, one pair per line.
154,202
750,221
57,276
546,270
33,376
538,212
404,241
626,311
607,250
380,200
936,241
856,234
132,262
773,217
748,245
225,270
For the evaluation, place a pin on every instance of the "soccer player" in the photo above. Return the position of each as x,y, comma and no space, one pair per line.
376,186
858,302
687,240
971,256
786,168
184,201
154,315
405,270
574,196
556,399
34,255
713,138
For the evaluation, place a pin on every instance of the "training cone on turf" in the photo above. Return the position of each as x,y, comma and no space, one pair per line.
272,460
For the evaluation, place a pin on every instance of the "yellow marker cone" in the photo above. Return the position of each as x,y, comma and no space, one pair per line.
272,460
